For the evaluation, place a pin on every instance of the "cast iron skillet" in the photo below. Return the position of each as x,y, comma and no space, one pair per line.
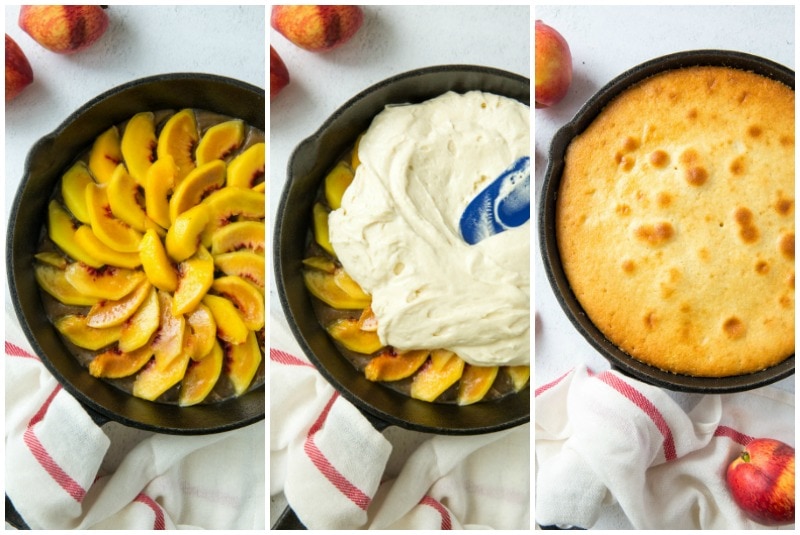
45,163
309,163
547,214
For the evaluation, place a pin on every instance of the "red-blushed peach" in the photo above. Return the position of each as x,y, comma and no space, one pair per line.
64,29
317,28
553,66
761,481
278,74
19,73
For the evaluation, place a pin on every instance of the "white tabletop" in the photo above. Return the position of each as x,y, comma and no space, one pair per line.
605,42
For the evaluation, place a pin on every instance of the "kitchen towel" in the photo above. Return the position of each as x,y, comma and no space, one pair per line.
612,452
63,471
331,463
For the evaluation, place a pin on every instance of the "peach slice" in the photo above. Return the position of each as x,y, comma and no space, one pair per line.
139,328
239,235
74,328
245,264
247,298
158,376
138,145
156,264
198,184
159,182
323,286
246,170
346,332
52,258
355,161
107,313
368,321
202,331
61,230
520,375
201,377
87,240
475,383
392,365
108,282
114,232
195,276
73,190
322,263
54,281
105,155
115,363
336,182
319,215
349,286
219,141
168,340
183,237
241,363
229,203
178,138
123,198
442,371
230,324
261,187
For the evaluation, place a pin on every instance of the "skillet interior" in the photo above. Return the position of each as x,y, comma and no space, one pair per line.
43,167
307,167
547,230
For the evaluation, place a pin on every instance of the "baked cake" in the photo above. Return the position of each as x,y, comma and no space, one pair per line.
675,221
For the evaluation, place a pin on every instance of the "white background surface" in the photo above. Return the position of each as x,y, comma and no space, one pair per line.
605,42
393,39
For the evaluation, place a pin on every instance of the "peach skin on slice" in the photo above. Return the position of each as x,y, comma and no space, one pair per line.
168,340
475,383
442,371
61,230
114,232
195,276
246,264
116,364
74,328
346,332
156,264
73,190
230,325
139,328
227,204
201,377
108,313
108,282
242,361
159,183
336,182
520,375
158,376
123,198
239,235
323,286
105,155
138,145
53,281
246,169
319,218
245,296
183,237
198,184
220,141
202,331
178,138
390,365
86,239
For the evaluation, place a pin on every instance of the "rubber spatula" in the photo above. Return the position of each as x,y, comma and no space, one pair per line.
503,204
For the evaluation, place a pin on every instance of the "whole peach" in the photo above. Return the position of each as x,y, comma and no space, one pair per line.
64,29
278,73
761,481
19,73
317,28
553,66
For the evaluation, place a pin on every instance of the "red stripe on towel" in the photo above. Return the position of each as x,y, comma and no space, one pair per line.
647,406
551,384
324,465
43,457
158,521
16,351
282,357
441,509
733,434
